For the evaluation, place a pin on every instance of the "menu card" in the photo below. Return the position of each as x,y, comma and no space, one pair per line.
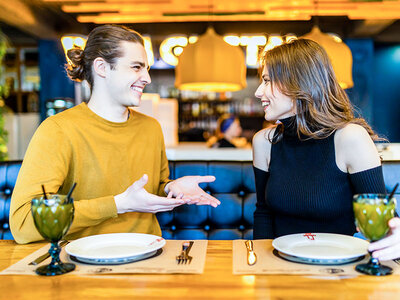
164,263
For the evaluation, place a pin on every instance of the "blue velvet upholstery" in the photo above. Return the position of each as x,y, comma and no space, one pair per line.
8,176
234,186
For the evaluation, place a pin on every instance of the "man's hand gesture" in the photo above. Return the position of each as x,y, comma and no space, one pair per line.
136,198
188,188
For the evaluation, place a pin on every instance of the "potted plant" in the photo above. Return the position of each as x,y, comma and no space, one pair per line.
3,93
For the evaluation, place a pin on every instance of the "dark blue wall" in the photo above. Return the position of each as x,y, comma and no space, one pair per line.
361,94
376,76
386,90
53,78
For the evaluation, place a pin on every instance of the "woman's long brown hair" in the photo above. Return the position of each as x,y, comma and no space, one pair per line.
301,70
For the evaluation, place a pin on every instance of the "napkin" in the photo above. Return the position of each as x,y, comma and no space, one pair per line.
164,263
269,262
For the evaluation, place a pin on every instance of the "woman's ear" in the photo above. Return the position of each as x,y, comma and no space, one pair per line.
294,106
100,66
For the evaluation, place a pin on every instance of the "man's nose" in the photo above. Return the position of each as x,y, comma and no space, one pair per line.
146,77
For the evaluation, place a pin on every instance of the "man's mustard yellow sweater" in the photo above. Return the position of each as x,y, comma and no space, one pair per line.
104,158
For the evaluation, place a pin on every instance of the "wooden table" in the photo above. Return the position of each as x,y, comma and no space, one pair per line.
217,282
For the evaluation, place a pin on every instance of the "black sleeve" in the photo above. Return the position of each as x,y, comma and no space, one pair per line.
368,181
263,228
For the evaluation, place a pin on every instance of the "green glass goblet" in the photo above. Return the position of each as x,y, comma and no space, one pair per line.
372,213
53,217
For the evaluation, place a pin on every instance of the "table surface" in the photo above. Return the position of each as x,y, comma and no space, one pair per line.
217,282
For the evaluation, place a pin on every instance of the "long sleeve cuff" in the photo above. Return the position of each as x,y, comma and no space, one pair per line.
368,181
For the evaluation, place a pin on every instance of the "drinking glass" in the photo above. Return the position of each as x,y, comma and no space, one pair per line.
372,213
53,217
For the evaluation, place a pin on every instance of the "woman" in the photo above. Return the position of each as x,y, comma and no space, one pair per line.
309,166
227,133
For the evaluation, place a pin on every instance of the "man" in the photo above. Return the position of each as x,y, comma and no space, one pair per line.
104,146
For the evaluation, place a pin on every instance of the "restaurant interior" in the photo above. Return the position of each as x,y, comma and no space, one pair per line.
34,60
362,39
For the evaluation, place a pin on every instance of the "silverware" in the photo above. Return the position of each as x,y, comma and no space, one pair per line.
183,257
46,255
188,257
251,256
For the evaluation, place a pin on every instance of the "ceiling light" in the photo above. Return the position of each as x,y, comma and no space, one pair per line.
211,64
73,41
339,54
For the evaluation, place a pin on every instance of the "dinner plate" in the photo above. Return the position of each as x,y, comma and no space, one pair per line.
114,248
314,261
320,248
117,261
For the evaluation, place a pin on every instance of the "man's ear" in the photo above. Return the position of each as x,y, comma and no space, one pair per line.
100,66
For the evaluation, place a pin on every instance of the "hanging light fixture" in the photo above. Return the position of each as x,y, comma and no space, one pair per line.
71,41
211,64
339,54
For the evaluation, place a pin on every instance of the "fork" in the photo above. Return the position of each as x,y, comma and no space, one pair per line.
184,257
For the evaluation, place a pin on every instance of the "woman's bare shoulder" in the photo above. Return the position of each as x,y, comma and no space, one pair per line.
355,149
262,148
352,134
263,137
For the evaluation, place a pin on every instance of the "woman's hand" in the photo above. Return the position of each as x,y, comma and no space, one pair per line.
188,188
389,247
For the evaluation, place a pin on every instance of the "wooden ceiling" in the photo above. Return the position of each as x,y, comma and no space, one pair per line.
155,11
349,18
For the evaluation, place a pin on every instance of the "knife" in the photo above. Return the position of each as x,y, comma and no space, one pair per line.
46,255
251,256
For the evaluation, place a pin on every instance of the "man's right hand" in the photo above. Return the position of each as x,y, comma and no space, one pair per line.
137,199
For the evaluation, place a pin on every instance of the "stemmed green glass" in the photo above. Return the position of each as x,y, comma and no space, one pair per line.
372,213
53,215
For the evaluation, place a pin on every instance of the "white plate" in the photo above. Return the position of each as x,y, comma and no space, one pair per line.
314,261
117,261
321,246
114,248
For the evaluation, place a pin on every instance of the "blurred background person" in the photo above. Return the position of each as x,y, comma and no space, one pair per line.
228,133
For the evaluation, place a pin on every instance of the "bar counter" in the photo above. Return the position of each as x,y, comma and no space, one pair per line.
217,282
198,151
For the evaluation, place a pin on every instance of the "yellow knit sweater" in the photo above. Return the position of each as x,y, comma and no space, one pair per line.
104,158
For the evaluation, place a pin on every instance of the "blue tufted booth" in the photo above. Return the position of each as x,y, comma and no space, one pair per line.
8,176
233,219
234,186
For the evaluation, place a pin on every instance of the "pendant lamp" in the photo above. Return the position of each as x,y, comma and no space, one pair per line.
339,54
211,64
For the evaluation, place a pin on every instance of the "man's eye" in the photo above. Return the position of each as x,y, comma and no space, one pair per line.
136,67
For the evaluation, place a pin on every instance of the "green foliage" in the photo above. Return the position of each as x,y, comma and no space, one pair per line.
3,93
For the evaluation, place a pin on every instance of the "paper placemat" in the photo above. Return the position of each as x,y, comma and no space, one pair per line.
165,263
269,263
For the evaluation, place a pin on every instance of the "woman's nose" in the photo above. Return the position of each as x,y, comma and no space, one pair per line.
260,91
